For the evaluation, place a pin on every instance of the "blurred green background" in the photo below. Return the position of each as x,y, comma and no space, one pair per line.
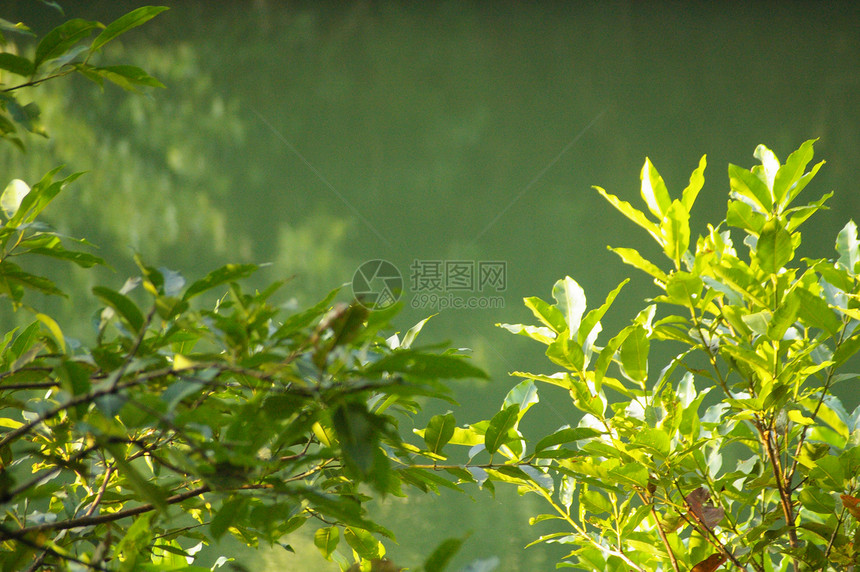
316,136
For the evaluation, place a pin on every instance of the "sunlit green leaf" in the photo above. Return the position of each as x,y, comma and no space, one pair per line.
327,539
654,190
745,184
792,171
848,247
774,247
634,354
633,214
697,181
551,316
570,298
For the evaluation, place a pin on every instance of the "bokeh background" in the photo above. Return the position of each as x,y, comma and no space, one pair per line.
315,136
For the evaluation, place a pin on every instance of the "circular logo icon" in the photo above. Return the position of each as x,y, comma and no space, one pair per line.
377,284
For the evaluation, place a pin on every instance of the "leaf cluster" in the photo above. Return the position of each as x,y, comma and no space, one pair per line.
736,451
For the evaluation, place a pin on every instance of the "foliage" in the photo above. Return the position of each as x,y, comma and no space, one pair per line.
736,450
200,409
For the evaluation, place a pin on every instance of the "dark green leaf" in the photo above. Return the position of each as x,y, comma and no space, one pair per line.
62,38
566,436
16,64
231,511
227,273
124,307
439,431
423,365
500,424
441,556
125,23
126,77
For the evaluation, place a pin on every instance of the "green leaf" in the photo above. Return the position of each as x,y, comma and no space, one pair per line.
358,435
537,333
571,301
124,307
675,229
697,181
774,247
792,171
12,278
143,486
231,511
125,23
746,184
815,312
16,64
566,353
327,539
633,258
55,330
784,317
594,316
12,197
227,273
523,395
654,190
62,38
125,76
500,424
741,215
362,541
848,247
634,355
551,316
566,435
82,259
135,541
439,431
829,472
423,365
441,556
40,196
633,214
